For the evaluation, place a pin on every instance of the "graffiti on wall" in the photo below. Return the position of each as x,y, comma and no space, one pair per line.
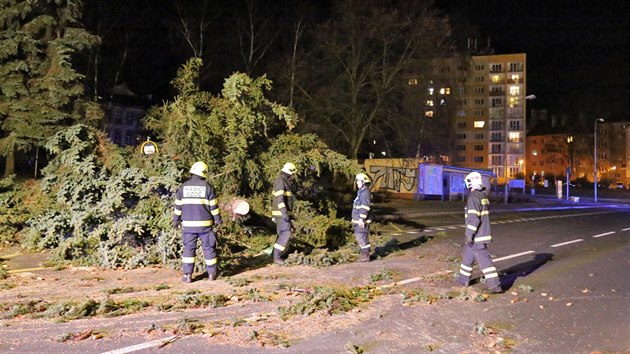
399,179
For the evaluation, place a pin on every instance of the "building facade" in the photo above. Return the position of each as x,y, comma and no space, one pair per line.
490,122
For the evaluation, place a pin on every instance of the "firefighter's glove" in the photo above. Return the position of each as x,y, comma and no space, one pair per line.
286,218
361,224
469,240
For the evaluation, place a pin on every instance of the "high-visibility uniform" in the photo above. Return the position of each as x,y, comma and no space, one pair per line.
197,210
282,212
478,236
361,211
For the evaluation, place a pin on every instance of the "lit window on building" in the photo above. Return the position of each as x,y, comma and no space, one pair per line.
431,91
479,124
412,82
513,102
429,103
514,137
428,114
515,90
495,79
516,78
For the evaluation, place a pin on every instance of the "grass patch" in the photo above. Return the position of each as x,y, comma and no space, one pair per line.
123,290
421,296
161,287
238,282
329,299
384,275
268,338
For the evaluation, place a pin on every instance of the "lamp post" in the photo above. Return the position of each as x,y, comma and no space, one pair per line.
601,120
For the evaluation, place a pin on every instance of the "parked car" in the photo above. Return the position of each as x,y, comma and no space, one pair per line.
619,185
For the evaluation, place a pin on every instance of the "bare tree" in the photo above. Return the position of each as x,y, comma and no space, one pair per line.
365,52
255,37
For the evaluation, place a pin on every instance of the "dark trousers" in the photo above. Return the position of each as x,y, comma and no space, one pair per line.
478,253
361,234
208,246
283,229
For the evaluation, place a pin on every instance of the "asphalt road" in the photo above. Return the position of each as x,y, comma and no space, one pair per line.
573,257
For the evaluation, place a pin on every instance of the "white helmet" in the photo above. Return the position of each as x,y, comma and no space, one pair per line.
362,177
199,168
473,179
289,168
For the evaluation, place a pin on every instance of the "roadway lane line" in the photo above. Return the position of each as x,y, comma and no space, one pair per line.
513,256
133,348
604,234
626,229
567,243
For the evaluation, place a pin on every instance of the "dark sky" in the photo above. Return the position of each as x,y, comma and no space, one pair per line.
577,51
578,56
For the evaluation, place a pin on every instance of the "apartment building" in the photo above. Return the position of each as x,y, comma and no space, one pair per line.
490,118
553,151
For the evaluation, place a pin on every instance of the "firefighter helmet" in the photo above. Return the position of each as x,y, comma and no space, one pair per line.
199,168
362,177
473,179
289,168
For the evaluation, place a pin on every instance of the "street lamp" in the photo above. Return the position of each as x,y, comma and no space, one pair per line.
601,120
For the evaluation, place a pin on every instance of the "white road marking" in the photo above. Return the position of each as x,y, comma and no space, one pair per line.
513,256
604,234
567,243
133,348
411,232
626,229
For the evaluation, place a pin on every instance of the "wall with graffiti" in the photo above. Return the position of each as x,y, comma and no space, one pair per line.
399,176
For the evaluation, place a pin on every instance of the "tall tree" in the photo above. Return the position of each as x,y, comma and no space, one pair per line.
40,90
366,52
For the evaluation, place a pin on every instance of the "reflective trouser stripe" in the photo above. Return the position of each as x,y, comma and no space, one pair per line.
279,247
465,270
211,261
189,260
490,272
366,246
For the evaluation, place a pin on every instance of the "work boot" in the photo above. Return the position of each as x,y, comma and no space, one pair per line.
495,289
187,278
364,257
276,258
212,276
461,282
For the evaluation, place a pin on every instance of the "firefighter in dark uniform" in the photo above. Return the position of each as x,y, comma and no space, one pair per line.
478,235
197,211
282,209
362,216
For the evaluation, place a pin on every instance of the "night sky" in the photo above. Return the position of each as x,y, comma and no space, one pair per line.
578,57
577,51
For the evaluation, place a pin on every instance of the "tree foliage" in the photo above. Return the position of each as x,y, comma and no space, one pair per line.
40,89
112,208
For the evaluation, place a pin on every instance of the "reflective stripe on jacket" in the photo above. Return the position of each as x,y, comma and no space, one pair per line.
361,208
283,197
477,214
196,206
